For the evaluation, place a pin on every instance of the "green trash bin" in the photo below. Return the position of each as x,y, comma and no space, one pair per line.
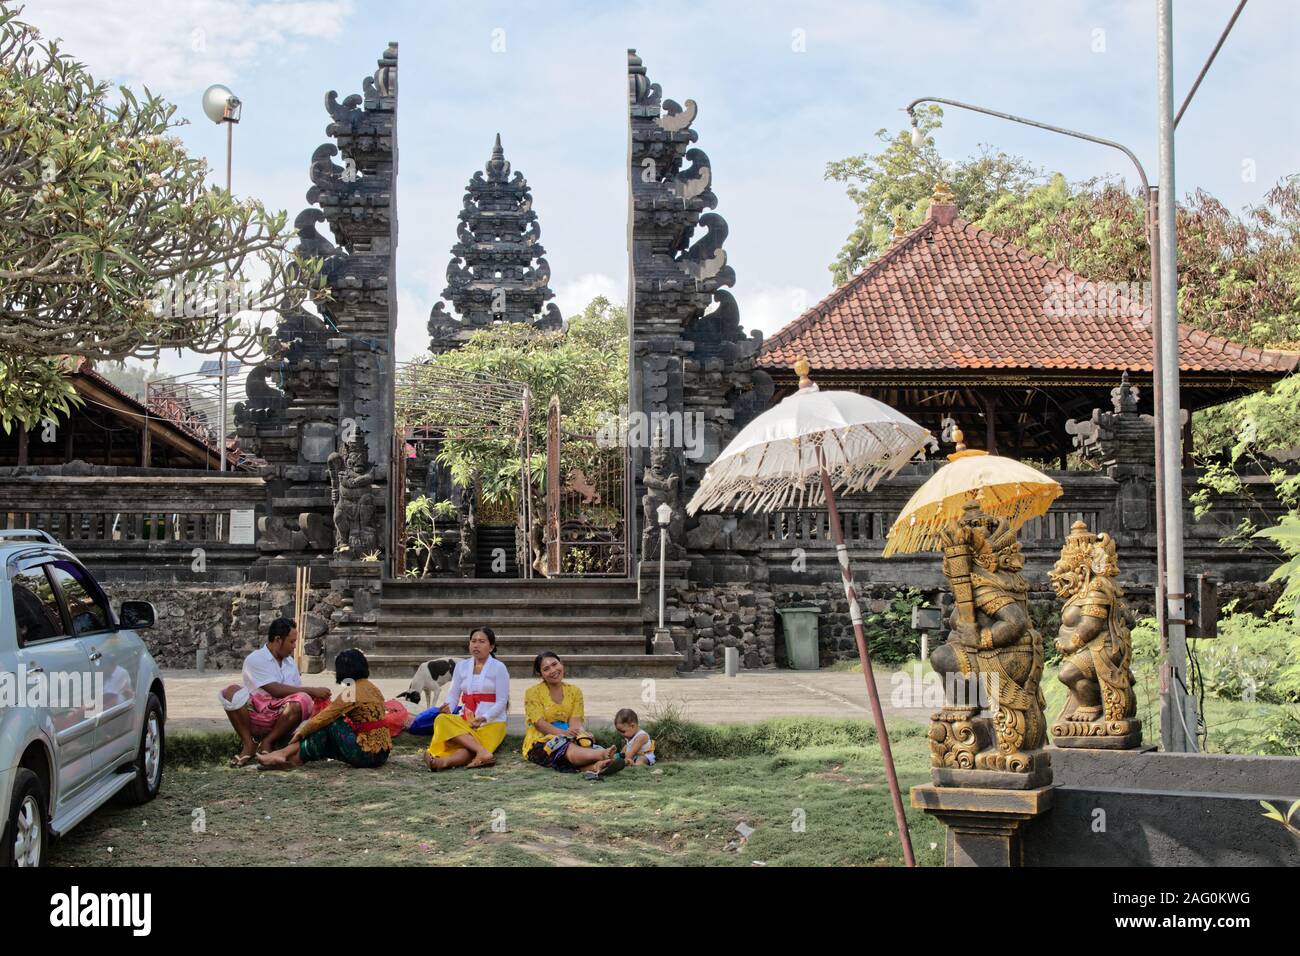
800,626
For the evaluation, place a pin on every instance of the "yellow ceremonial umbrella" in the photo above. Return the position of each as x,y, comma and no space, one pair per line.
1002,487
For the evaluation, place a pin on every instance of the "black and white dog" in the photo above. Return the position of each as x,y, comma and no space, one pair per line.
430,677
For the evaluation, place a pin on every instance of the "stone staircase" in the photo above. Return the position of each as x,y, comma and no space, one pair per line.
494,543
593,624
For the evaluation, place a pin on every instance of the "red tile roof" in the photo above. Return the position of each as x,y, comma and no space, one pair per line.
951,296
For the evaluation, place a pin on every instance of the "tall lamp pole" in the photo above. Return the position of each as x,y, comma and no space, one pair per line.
663,642
1178,709
222,106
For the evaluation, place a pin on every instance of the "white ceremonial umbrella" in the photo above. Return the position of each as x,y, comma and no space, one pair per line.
794,456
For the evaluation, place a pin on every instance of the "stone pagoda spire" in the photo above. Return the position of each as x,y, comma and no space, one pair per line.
498,272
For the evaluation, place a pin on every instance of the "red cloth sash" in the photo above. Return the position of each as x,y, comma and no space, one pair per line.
366,726
471,701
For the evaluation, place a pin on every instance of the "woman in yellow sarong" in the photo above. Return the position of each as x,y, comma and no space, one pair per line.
554,716
480,684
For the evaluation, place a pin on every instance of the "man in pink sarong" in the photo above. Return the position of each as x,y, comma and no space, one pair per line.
271,700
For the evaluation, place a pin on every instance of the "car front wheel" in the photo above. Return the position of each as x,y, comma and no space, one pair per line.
25,834
149,760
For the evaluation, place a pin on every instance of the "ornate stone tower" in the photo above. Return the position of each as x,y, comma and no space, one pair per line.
692,370
329,385
498,271
1122,442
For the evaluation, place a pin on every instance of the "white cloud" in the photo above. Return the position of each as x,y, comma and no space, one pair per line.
179,46
770,308
573,296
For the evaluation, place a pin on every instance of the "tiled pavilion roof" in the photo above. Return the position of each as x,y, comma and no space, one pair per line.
949,296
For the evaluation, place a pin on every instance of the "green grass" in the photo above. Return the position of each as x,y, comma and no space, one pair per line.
771,776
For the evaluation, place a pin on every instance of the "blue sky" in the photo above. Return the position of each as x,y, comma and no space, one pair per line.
782,89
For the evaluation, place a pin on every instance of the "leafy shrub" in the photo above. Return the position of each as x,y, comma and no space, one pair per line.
1046,618
678,738
1146,643
890,634
1281,737
1253,658
1286,533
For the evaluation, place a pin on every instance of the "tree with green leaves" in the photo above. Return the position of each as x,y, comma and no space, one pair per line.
898,182
585,366
1238,273
112,244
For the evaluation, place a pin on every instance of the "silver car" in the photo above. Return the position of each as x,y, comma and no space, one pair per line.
81,700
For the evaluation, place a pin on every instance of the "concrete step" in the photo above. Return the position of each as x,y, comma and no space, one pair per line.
458,627
452,607
520,666
498,588
523,645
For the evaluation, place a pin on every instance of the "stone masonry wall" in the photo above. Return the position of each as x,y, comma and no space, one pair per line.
226,623
715,618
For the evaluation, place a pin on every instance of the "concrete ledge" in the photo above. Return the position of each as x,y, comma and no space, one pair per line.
1151,770
1103,827
1165,809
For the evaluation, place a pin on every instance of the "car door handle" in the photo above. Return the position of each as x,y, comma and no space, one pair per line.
35,669
95,655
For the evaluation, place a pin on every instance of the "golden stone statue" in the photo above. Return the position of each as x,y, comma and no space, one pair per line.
1095,646
993,656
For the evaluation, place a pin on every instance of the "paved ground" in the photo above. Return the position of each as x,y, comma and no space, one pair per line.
704,698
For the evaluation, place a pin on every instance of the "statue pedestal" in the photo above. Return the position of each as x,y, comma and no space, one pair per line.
963,753
676,578
983,825
1098,735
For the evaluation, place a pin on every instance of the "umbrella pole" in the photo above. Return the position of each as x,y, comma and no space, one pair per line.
877,714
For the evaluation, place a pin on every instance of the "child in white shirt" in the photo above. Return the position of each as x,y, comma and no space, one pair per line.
638,745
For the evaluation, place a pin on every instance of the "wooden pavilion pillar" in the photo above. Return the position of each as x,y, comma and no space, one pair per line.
990,422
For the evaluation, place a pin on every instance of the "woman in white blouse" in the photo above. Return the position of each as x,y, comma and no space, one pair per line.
480,684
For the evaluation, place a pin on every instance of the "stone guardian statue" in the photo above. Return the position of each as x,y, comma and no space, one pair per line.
1095,645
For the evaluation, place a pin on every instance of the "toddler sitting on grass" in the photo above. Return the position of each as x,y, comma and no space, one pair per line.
638,746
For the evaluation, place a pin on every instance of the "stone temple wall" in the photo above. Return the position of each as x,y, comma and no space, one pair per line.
224,623
692,367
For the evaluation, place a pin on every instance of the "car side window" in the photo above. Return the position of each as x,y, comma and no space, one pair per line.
87,606
36,608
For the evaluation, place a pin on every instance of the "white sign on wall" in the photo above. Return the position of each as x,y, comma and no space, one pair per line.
242,527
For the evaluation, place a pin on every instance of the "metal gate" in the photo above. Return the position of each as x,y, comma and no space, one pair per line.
435,404
588,492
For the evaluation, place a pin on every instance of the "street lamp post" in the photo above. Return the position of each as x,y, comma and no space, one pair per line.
663,642
1168,473
1178,710
222,106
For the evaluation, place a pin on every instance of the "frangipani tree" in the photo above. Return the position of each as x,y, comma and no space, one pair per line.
112,243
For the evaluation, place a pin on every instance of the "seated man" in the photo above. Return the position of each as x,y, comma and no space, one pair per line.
271,702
